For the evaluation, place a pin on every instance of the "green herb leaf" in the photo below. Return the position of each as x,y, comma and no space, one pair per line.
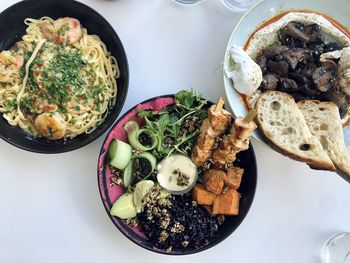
185,98
176,126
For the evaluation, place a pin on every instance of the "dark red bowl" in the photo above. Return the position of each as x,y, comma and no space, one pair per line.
110,194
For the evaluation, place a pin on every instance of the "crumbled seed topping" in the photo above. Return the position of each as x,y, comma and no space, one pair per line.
218,141
225,189
163,236
191,123
137,152
220,219
182,179
185,243
169,249
177,228
132,222
228,165
207,165
151,206
168,142
116,178
164,222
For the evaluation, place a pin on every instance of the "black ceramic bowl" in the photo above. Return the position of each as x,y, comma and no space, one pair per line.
12,28
110,193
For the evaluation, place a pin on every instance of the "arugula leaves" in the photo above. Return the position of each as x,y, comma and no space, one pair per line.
177,125
187,99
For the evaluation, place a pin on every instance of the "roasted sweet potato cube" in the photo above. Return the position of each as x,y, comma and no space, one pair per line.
202,196
214,180
227,203
234,177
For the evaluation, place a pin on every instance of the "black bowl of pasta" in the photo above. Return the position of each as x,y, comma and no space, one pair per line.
63,75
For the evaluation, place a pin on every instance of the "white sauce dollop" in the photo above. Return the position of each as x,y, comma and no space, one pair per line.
168,180
244,72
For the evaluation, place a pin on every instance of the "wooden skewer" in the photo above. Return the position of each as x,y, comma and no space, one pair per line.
250,116
220,104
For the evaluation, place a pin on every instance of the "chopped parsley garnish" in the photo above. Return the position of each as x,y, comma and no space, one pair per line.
63,29
89,94
26,105
11,105
50,131
73,121
62,76
59,75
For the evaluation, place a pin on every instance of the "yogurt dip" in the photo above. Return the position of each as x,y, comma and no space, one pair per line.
177,174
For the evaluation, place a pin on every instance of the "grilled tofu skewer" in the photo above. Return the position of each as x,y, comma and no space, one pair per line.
212,127
236,141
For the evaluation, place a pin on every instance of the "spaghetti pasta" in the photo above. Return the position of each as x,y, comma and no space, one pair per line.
58,81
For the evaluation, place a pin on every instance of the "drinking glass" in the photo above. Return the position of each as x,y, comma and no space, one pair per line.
336,249
185,2
238,5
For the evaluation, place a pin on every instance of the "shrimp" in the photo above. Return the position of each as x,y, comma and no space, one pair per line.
5,76
6,57
18,62
51,125
64,29
68,30
12,58
10,63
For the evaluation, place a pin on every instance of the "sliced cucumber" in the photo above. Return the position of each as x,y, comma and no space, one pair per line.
151,135
128,175
133,131
143,166
131,127
120,154
141,190
124,207
151,158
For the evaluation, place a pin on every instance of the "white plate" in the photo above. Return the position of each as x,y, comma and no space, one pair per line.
262,11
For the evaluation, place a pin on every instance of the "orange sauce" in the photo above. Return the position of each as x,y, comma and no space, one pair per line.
347,123
279,16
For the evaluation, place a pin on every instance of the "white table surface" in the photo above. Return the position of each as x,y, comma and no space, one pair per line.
50,208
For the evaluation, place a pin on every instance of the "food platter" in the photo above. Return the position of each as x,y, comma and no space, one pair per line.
110,192
260,13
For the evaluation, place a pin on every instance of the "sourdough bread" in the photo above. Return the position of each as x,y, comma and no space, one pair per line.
284,128
324,122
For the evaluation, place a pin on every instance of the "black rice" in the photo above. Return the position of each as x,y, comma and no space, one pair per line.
186,224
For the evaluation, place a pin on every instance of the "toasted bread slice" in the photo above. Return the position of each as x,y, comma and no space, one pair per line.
324,122
284,128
